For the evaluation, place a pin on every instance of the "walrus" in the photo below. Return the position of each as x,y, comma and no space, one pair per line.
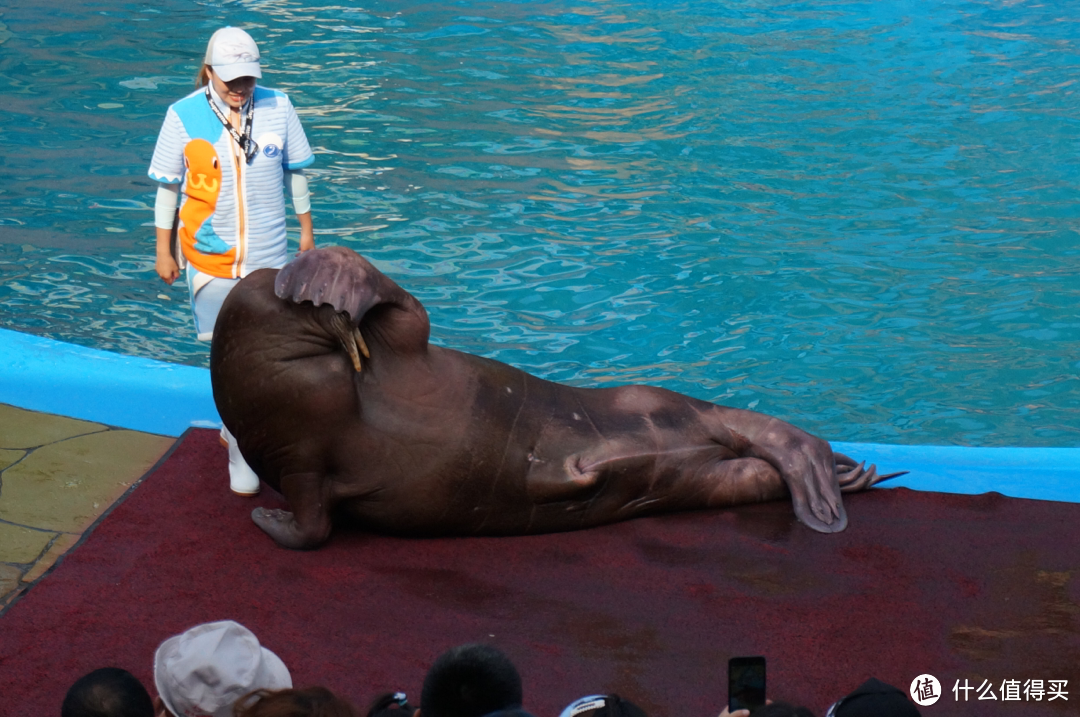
324,373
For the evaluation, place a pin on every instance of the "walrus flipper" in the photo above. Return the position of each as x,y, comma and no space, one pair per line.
855,477
308,525
335,276
346,281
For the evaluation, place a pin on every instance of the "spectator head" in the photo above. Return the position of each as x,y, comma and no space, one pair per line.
207,669
780,709
874,698
310,702
602,706
470,681
108,692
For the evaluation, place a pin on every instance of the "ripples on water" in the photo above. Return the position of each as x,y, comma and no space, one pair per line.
857,216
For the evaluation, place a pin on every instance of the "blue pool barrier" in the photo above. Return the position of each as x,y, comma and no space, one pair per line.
125,391
157,397
1042,473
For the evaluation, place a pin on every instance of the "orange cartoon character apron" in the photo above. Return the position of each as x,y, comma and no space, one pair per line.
202,247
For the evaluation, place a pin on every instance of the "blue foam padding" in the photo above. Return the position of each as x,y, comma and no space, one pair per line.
157,397
145,395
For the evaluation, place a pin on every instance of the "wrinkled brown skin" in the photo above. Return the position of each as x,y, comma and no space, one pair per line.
429,441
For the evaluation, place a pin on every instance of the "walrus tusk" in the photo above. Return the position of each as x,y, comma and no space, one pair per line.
351,348
360,343
349,338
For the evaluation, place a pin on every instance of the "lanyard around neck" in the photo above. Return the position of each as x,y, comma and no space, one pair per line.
248,145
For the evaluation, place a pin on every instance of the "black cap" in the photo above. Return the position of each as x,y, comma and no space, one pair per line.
874,698
390,704
602,706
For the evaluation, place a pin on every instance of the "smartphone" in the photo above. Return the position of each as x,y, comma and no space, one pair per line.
746,683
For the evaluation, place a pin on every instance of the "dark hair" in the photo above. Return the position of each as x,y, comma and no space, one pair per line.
470,681
781,709
308,702
108,692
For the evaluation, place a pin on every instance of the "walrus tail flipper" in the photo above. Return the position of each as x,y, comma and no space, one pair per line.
855,477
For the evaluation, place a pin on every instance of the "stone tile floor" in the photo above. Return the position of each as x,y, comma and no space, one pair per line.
57,476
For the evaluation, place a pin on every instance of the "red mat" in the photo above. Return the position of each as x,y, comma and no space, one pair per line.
962,587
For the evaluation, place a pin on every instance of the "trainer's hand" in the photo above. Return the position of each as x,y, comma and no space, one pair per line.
164,264
167,269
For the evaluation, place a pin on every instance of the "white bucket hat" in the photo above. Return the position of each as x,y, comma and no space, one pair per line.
232,53
205,670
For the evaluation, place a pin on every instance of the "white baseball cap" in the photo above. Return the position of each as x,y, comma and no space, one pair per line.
232,53
206,670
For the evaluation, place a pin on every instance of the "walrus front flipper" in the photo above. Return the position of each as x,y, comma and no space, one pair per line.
308,525
351,285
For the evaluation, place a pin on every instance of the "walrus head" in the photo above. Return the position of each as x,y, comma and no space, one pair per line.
337,277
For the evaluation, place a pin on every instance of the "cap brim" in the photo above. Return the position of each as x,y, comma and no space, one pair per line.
273,675
228,73
589,703
274,672
159,669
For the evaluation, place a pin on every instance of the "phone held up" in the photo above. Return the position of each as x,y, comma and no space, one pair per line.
746,683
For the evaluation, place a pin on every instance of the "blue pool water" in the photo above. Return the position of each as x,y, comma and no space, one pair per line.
857,216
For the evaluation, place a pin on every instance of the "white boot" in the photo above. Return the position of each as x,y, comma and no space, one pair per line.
242,480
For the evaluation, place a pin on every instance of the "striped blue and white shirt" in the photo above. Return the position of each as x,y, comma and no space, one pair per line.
244,229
